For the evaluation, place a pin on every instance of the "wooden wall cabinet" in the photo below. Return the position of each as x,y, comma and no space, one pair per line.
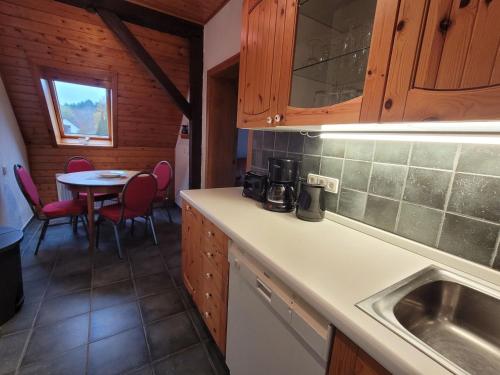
348,359
314,62
445,62
205,270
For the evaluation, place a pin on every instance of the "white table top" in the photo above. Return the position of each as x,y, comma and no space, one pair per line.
93,178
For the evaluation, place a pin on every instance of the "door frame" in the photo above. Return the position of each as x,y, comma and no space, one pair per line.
211,123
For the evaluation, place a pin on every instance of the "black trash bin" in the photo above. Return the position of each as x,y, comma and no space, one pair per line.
11,280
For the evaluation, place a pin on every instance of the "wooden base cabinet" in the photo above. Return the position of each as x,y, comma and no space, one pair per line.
205,270
349,359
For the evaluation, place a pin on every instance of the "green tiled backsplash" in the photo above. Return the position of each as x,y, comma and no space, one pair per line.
443,195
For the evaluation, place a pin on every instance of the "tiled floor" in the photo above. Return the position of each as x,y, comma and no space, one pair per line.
103,315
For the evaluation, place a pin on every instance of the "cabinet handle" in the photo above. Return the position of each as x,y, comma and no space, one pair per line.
277,118
444,25
269,120
207,314
188,207
208,295
208,275
209,254
464,3
210,233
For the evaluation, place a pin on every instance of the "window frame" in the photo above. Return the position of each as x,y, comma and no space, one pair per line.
46,77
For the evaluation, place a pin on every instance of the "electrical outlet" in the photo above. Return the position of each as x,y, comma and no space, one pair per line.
331,184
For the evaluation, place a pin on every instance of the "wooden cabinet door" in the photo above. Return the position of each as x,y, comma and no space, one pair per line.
445,61
335,60
262,29
191,238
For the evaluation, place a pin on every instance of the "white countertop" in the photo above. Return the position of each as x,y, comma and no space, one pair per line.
331,266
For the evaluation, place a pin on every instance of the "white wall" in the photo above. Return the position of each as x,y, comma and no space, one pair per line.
14,211
221,41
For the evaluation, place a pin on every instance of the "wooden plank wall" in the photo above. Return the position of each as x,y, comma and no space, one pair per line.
45,32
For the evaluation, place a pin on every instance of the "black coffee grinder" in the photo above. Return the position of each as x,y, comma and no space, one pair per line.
281,190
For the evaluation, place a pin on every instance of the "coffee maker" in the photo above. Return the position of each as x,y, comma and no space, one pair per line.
282,181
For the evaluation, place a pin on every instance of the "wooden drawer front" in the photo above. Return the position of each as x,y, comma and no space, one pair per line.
213,238
216,258
212,315
212,278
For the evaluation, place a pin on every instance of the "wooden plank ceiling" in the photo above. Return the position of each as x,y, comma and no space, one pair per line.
199,11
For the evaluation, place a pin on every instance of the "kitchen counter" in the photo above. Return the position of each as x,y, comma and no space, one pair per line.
329,265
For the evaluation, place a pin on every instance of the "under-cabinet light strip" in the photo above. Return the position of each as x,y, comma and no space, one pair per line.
415,137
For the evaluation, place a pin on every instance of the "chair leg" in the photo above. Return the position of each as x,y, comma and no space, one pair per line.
97,232
132,227
42,235
74,221
152,223
117,238
146,218
168,213
102,203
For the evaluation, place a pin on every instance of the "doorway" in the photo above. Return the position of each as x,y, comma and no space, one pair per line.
226,155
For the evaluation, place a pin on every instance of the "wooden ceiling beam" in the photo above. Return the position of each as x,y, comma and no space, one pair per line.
135,47
143,16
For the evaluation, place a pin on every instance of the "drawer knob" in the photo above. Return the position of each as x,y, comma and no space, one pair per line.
207,314
208,275
210,233
208,295
209,254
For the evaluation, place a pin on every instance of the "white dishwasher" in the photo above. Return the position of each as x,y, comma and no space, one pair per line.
269,330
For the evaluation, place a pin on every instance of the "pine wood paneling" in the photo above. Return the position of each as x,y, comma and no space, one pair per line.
199,11
48,33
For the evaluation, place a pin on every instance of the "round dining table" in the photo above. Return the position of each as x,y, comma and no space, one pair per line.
92,182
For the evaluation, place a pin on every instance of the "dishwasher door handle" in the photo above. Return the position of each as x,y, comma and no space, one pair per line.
263,290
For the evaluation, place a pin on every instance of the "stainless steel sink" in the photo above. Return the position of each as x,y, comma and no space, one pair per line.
454,320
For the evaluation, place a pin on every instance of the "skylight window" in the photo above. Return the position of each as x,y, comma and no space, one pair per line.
80,108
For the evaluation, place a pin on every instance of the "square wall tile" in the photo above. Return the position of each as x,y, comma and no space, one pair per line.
392,152
257,140
331,167
359,150
427,187
313,145
334,147
433,155
419,223
256,158
352,204
296,143
483,159
331,201
387,180
268,140
356,175
281,142
266,154
381,212
310,164
477,196
467,238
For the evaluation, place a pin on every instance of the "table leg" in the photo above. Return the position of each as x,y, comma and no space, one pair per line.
90,218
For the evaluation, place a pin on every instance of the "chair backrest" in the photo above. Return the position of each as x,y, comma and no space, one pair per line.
78,164
163,173
28,187
139,193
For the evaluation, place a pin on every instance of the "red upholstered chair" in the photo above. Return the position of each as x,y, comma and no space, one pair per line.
82,164
163,173
136,201
68,208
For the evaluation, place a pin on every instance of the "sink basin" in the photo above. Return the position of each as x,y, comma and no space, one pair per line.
454,320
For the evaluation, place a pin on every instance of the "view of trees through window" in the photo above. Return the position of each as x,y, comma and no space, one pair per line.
83,109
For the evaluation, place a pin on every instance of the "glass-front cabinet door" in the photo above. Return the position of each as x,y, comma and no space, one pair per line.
326,52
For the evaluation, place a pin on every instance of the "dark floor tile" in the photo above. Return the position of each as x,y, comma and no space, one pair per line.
476,196
381,212
60,285
148,266
60,308
392,152
470,239
161,305
109,274
173,260
112,320
153,284
34,290
22,320
176,275
11,348
170,335
186,298
72,362
190,361
72,264
117,354
419,223
103,258
30,259
113,294
356,175
49,341
433,155
37,271
199,324
216,358
144,370
427,187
